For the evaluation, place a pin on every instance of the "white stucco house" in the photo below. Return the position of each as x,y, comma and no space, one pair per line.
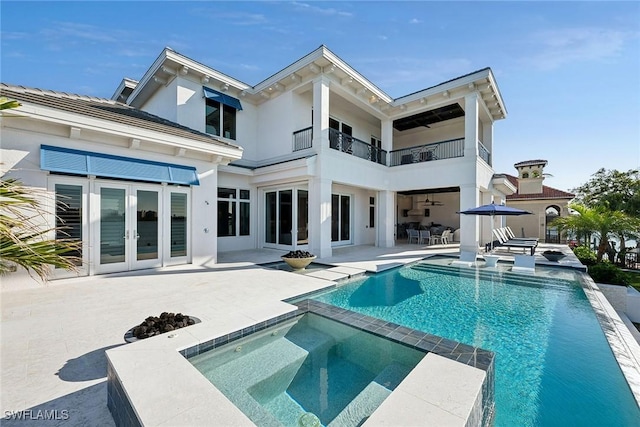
188,162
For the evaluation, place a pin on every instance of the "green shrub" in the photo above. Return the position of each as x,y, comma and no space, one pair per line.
605,272
585,255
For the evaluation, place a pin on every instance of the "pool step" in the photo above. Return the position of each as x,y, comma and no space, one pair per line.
371,397
504,276
258,377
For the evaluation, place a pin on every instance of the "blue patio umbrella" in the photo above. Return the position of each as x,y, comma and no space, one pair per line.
493,210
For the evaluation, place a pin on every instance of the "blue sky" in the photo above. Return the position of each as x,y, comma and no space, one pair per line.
569,72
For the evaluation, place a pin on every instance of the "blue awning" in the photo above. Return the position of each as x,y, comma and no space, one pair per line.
77,162
222,98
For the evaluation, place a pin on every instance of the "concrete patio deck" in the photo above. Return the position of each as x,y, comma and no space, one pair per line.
53,337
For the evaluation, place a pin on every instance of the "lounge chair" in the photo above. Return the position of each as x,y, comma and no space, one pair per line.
509,243
511,235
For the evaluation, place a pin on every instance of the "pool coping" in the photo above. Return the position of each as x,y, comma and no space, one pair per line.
624,346
136,398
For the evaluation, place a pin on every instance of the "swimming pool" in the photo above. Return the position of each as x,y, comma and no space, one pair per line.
310,367
553,365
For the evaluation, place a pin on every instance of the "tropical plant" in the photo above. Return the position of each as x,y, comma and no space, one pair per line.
600,221
24,241
616,191
585,255
605,272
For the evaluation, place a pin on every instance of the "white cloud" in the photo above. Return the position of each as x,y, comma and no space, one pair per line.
558,47
415,21
320,10
381,37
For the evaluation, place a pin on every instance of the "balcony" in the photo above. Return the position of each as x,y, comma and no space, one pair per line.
350,145
428,152
302,139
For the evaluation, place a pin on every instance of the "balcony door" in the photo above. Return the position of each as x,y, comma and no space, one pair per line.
129,227
286,218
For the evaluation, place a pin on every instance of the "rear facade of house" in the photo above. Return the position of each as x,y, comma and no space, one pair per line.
188,162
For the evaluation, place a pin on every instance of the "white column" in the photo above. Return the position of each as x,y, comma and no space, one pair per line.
471,125
469,224
386,219
203,217
321,113
320,217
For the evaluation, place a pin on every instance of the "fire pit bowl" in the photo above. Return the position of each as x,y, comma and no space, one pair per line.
553,256
298,260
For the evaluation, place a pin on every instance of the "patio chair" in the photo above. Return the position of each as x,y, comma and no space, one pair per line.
446,235
424,237
413,235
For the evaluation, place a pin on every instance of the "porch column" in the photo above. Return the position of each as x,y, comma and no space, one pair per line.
321,113
320,217
203,214
387,137
469,229
471,125
386,219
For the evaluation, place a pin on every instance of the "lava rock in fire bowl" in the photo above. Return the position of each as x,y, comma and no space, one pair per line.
153,325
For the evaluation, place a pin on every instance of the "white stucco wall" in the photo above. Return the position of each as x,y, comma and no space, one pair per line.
163,102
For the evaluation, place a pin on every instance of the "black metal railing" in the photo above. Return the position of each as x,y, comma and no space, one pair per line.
484,153
427,152
303,139
350,145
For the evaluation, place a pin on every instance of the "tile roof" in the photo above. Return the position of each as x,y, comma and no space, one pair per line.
547,192
105,109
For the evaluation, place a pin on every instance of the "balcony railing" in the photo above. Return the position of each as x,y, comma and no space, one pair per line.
303,139
425,153
484,153
350,145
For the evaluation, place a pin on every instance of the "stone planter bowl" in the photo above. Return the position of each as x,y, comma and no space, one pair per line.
553,256
298,263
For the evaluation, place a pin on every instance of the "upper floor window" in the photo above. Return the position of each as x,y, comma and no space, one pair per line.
220,119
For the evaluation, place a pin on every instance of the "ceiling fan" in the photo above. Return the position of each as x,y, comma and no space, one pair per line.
432,202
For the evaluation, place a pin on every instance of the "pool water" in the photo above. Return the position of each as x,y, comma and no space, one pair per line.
312,366
553,365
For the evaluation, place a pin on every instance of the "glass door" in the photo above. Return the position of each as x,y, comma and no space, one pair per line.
71,220
340,219
286,218
128,229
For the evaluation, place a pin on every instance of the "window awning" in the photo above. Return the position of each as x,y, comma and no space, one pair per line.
77,162
222,98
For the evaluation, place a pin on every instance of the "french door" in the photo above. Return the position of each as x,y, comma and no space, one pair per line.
128,227
286,218
340,219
